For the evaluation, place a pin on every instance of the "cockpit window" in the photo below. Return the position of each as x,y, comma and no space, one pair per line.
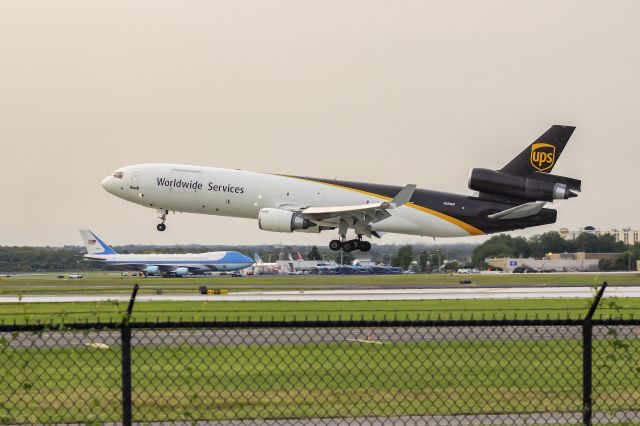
118,175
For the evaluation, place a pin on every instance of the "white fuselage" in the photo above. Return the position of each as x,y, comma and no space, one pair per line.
210,261
239,193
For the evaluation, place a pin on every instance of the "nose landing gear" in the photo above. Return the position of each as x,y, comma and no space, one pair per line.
163,217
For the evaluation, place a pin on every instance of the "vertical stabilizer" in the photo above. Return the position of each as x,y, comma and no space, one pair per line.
93,244
542,154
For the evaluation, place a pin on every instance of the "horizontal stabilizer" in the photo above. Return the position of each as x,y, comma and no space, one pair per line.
518,212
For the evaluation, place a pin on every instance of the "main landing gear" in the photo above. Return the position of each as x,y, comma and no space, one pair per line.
163,217
350,245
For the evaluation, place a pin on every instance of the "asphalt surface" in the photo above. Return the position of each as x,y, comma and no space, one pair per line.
288,286
348,295
282,336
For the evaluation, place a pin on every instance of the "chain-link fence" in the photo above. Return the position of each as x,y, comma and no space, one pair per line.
333,373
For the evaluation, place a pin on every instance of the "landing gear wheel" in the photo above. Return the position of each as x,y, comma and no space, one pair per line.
364,246
335,245
163,216
349,246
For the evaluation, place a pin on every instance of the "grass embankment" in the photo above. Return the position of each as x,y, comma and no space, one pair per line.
58,313
348,379
114,283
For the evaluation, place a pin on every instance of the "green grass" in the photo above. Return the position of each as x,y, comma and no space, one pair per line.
113,282
341,379
216,310
81,384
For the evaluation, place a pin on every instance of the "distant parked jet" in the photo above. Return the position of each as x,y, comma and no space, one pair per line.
163,264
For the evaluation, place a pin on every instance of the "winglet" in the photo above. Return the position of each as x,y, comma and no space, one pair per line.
403,197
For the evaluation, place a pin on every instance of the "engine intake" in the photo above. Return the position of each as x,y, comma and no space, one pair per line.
181,271
151,270
534,187
280,220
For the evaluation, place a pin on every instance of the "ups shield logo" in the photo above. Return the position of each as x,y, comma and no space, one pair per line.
543,156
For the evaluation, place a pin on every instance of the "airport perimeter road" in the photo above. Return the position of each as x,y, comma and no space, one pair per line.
283,336
19,288
347,295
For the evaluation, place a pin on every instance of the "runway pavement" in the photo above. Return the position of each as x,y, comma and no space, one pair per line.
347,295
104,339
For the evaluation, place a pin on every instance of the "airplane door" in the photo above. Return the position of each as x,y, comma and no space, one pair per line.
134,181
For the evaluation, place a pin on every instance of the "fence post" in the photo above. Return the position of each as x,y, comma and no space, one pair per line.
587,403
125,335
587,358
125,331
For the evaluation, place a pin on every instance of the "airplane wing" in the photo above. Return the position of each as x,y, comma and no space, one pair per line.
323,213
161,268
190,267
360,217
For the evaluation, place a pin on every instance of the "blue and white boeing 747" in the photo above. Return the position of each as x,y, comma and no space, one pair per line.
163,264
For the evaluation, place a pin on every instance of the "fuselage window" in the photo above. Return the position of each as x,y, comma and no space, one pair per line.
118,175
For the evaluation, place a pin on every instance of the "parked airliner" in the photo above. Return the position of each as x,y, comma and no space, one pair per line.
512,197
163,264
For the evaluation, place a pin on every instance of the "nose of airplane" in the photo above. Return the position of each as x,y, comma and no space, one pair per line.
108,184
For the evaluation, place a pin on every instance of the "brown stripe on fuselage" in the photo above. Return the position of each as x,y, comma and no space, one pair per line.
387,192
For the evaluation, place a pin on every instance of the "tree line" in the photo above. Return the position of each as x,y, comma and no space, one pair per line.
70,258
539,246
42,259
421,257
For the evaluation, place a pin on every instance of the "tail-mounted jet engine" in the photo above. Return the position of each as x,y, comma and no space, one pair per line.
533,187
280,220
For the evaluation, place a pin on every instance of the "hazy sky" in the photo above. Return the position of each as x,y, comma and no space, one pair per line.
380,91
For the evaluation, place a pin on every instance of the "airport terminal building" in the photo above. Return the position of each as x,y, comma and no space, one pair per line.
560,262
624,235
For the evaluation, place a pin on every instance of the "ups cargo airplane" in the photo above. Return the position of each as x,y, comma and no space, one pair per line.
512,197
